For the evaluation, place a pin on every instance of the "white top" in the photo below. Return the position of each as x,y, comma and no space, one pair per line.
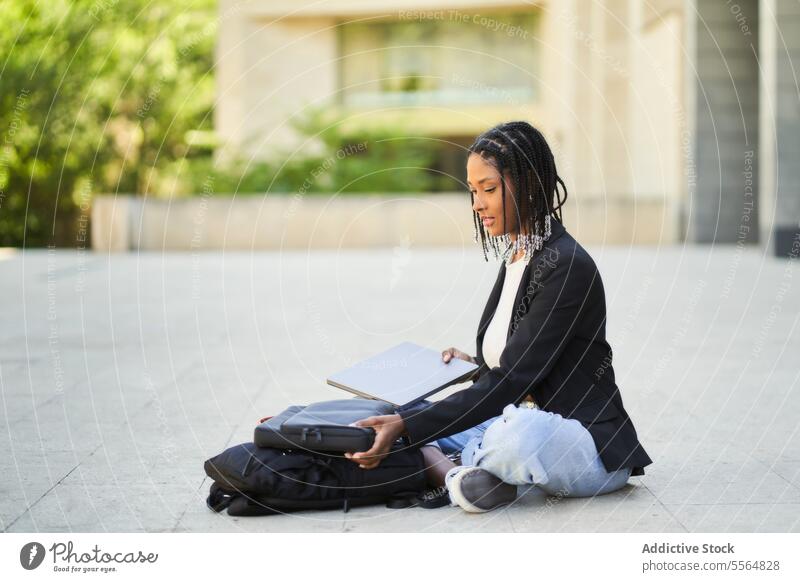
494,340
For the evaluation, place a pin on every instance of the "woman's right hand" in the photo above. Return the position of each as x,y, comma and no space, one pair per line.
451,353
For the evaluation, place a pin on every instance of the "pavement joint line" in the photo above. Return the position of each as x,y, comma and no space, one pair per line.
627,494
102,444
664,506
51,489
227,445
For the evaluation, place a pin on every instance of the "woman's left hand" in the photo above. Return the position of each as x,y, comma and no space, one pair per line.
388,429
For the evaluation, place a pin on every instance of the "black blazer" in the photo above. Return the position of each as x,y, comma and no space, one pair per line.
556,351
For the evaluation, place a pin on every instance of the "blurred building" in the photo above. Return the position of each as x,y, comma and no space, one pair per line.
671,120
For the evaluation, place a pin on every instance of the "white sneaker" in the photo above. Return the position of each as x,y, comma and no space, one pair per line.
448,478
476,490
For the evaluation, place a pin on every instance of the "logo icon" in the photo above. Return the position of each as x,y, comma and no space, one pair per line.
31,555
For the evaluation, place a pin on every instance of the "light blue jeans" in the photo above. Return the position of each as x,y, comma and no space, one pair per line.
528,446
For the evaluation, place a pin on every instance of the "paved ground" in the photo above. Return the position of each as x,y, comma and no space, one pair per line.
120,376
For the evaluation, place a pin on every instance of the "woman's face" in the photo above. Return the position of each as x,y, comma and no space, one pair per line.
483,180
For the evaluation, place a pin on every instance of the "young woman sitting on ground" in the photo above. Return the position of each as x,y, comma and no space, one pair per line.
543,409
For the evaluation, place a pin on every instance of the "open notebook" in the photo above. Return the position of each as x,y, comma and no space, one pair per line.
402,375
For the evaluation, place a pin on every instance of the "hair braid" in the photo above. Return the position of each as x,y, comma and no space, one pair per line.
521,150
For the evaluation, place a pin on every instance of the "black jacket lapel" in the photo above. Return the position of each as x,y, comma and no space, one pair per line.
520,306
557,229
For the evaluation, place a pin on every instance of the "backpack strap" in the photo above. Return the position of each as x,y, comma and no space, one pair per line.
341,477
401,501
218,499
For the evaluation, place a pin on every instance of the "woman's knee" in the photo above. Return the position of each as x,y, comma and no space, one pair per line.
510,449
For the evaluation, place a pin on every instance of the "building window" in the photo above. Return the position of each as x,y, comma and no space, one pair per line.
462,58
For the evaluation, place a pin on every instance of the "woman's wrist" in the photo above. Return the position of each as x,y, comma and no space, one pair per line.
401,426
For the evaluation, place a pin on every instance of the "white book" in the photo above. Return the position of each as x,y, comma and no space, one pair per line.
402,375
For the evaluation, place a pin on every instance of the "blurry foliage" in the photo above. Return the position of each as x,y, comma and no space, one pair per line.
373,159
96,96
103,96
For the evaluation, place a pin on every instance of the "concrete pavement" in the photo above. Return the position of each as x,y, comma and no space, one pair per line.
120,374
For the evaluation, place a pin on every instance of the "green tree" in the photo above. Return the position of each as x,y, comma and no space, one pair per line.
97,96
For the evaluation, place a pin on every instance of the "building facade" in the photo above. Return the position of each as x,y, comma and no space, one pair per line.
670,120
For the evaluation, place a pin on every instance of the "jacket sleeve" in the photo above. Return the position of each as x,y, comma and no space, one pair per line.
534,347
482,368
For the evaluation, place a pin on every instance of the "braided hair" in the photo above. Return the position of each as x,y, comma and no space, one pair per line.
521,149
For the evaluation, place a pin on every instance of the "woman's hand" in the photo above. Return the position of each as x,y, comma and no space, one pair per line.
388,429
451,353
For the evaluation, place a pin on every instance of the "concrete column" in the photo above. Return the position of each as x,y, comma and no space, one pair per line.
658,116
780,127
616,139
230,76
726,129
270,68
586,28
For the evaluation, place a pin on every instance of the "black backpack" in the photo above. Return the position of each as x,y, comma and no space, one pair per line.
251,480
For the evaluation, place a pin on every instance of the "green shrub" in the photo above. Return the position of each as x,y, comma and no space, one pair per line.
96,96
377,159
